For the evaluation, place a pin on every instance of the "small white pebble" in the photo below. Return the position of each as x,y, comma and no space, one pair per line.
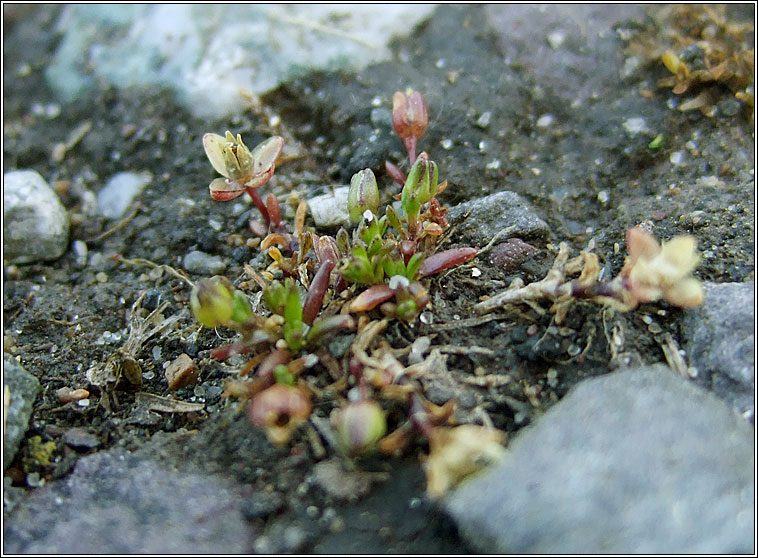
484,119
677,158
446,143
52,110
440,63
494,165
545,120
634,126
476,272
536,171
556,38
602,196
426,317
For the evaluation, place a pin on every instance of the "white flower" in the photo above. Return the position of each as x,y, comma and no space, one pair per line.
241,168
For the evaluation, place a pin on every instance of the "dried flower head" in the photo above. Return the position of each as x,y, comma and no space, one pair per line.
279,411
455,453
654,271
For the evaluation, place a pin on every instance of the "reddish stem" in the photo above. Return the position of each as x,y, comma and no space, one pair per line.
410,147
258,202
230,349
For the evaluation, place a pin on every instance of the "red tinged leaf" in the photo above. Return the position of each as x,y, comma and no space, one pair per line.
316,292
279,356
446,259
395,173
371,298
225,190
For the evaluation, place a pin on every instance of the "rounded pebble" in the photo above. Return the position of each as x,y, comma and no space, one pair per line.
36,225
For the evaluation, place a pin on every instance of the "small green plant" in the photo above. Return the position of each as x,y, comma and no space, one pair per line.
382,264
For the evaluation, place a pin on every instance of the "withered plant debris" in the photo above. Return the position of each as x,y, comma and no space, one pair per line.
706,52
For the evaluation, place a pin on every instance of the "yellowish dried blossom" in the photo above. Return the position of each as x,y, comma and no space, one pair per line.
654,272
458,452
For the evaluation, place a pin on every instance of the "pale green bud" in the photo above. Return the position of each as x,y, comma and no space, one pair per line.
363,195
215,302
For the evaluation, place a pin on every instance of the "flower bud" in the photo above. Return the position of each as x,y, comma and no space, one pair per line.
359,425
279,410
212,301
421,184
363,194
215,302
409,118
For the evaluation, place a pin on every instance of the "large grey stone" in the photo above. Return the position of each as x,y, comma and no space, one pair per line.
485,217
211,54
36,223
637,461
116,503
720,342
23,389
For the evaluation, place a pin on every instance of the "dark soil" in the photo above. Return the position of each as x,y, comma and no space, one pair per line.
55,314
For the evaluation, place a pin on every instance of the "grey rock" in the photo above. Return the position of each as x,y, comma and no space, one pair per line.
719,340
23,389
330,209
116,503
205,52
491,214
637,461
36,224
119,193
203,264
